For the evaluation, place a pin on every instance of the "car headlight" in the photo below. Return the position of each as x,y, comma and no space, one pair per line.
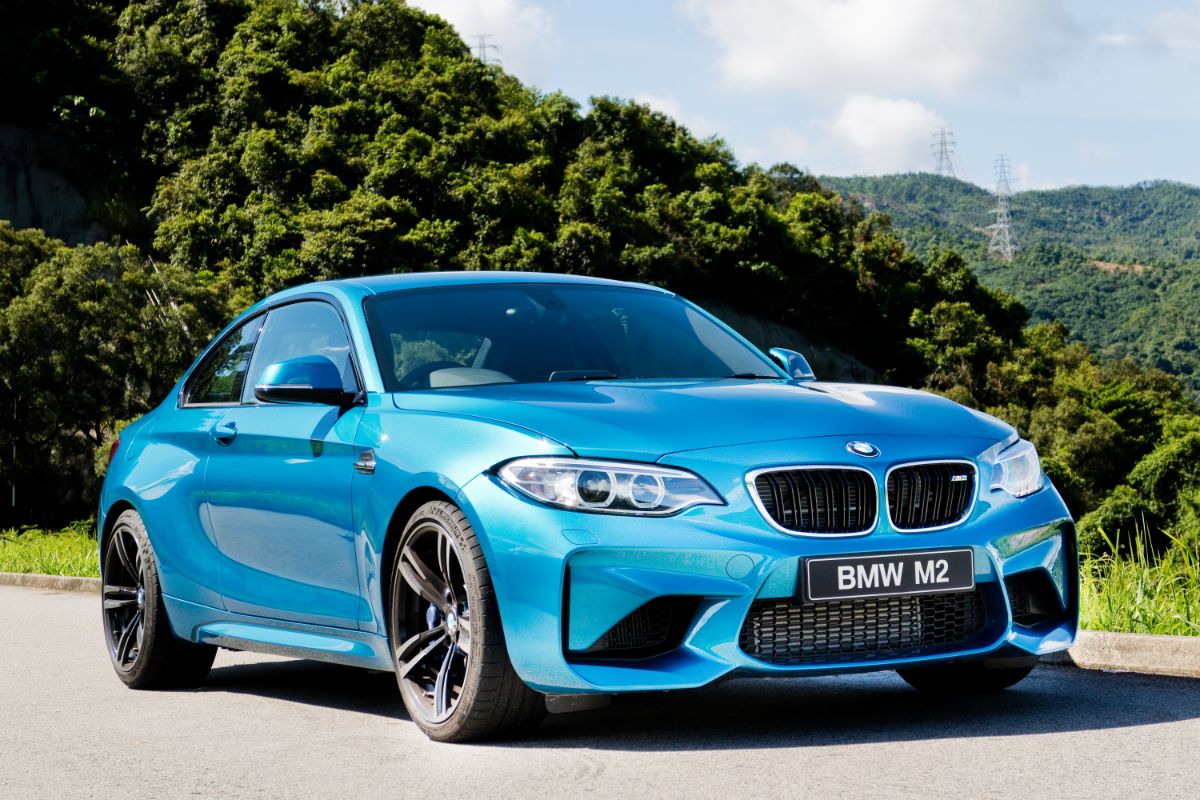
1018,470
609,487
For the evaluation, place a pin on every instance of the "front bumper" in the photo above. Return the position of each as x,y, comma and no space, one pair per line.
565,579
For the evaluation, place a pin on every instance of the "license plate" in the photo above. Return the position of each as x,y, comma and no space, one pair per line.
886,574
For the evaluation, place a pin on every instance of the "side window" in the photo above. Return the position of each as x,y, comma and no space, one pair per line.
220,377
309,328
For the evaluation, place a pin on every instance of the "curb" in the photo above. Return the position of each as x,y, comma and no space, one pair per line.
59,583
1145,653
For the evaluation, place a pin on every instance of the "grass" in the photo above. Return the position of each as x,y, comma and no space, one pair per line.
70,551
1137,593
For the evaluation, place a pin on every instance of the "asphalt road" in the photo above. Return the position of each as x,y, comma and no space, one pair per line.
270,727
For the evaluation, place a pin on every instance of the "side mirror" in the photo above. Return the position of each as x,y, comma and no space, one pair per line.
309,379
793,363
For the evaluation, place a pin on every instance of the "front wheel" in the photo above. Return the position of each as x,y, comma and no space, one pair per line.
968,677
144,651
447,644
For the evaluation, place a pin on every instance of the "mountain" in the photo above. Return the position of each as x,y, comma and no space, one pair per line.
1120,266
1147,222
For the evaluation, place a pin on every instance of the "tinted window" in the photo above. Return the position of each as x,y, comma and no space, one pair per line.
310,328
528,333
222,374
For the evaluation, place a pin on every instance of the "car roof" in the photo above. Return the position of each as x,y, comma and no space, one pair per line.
379,284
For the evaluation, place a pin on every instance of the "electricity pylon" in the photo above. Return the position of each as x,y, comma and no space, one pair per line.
943,151
484,48
1003,242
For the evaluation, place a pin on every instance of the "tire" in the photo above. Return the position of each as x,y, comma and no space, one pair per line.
144,652
448,647
968,677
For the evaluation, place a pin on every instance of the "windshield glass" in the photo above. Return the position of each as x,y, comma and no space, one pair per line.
536,332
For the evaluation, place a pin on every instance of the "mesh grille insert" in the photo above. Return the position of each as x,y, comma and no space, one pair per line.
652,629
831,501
930,495
648,626
792,633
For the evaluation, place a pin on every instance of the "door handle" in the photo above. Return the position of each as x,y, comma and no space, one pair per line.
224,432
366,462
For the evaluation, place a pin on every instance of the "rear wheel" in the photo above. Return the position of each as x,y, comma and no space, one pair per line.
144,651
968,677
447,644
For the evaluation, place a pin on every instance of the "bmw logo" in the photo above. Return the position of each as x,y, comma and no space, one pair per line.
864,449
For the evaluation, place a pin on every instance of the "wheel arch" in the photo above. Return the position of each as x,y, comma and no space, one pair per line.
403,512
114,511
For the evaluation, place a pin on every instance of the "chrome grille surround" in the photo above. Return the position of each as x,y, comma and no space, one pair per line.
972,493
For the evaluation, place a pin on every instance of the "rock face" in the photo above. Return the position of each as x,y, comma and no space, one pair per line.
34,196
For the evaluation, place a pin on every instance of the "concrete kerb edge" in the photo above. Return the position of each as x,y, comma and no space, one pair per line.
59,583
1144,653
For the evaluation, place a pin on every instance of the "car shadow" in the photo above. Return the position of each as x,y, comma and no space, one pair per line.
312,683
753,713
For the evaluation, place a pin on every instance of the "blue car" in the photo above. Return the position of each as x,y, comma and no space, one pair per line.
508,488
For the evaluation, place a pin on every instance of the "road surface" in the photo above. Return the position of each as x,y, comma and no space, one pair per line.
271,727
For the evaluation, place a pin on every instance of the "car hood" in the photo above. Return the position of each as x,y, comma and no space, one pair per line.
646,420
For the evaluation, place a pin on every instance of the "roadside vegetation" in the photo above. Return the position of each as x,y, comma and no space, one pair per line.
70,551
1137,592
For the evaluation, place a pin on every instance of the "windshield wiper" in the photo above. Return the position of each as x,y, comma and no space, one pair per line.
583,375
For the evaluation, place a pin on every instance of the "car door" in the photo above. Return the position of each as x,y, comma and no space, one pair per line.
278,484
169,475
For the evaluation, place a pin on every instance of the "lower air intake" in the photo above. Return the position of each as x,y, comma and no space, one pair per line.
792,633
652,629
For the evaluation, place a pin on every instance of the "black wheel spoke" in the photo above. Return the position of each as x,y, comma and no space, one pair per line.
119,597
441,688
130,564
446,562
421,579
428,645
464,635
128,637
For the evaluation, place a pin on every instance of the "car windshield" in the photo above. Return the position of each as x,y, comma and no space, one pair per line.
534,333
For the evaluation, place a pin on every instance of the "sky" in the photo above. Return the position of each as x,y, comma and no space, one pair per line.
1071,91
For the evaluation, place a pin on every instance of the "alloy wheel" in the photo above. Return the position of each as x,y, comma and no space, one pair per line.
433,622
124,597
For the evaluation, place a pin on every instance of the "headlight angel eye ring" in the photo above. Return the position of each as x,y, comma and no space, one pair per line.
608,487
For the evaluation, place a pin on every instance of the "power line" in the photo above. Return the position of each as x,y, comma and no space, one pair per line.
484,49
1003,242
943,151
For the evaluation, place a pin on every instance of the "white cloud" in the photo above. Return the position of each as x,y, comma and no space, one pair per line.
885,134
865,135
523,31
1116,39
666,104
882,46
791,146
1024,179
1177,31
698,124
